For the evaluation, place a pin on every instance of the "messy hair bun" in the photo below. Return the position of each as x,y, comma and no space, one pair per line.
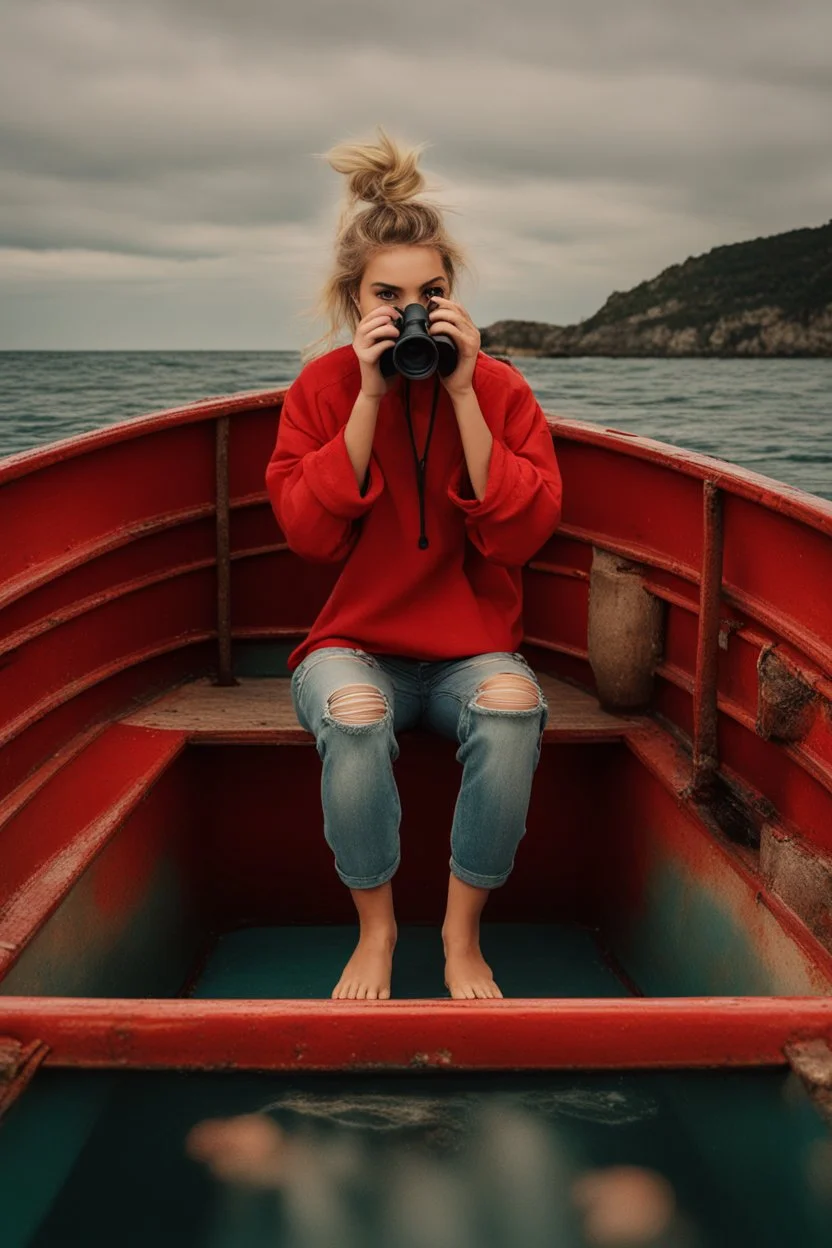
380,173
385,176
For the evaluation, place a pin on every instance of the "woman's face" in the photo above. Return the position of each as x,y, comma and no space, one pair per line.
401,275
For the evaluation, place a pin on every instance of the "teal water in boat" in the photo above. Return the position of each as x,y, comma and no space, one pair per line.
527,959
412,1159
438,1160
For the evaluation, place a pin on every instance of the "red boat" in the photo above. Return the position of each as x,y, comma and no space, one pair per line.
168,902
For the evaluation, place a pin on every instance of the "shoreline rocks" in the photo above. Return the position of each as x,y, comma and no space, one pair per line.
769,297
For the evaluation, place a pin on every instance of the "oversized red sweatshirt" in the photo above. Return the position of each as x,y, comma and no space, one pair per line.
430,572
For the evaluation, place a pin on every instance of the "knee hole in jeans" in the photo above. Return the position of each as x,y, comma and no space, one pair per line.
357,704
508,691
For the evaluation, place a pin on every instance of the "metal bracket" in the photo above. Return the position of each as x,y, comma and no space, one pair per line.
812,1061
18,1063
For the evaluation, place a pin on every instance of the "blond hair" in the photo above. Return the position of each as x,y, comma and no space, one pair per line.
385,175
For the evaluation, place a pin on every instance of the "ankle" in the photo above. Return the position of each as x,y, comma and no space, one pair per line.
378,934
460,939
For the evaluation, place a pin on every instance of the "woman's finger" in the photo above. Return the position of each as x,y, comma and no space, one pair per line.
451,314
447,305
450,325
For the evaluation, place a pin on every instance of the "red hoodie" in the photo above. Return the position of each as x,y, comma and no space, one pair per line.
431,572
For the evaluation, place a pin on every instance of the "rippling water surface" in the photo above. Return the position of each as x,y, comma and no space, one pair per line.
773,416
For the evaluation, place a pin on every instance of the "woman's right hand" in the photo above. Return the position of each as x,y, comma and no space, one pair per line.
374,334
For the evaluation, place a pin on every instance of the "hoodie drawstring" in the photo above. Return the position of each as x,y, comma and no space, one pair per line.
421,464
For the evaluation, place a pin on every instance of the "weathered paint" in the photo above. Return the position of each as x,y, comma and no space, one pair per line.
114,914
144,951
87,702
801,874
521,1034
18,1063
705,749
687,911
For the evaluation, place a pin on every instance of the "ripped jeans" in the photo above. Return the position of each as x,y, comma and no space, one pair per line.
499,750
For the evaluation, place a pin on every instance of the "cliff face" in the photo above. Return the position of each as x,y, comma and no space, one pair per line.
766,297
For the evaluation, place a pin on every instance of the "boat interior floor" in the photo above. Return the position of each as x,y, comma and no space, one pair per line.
526,959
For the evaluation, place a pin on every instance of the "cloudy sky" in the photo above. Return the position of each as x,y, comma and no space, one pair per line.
158,187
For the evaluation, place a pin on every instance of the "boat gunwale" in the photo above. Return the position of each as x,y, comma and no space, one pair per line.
789,500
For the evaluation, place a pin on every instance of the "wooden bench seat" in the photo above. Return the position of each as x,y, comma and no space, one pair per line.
260,709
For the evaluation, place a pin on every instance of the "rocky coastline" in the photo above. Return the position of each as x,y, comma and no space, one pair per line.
769,297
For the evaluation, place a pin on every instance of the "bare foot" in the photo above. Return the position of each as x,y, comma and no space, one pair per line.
467,974
367,974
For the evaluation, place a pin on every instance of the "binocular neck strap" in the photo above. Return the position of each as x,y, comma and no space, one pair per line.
421,464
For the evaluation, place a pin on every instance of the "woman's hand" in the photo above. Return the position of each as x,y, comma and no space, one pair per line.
374,334
447,317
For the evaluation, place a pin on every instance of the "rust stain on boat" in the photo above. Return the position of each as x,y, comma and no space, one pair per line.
786,702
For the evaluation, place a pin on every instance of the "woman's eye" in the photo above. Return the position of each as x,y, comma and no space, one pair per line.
435,290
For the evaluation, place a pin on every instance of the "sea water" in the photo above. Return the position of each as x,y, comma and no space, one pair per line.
773,416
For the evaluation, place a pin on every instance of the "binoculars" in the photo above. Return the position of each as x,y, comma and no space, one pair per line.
416,353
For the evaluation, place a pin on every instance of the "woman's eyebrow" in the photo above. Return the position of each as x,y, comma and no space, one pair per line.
390,285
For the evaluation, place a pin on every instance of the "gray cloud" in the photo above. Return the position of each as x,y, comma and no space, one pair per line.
157,160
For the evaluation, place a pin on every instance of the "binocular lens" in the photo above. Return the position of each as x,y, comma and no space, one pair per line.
418,355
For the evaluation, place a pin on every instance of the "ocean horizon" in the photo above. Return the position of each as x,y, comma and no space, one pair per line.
773,416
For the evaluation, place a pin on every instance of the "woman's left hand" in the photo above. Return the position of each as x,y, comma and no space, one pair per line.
447,317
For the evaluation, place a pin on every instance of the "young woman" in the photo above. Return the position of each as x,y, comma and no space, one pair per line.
435,492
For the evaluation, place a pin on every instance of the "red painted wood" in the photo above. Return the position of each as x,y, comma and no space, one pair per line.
651,509
560,597
786,499
82,705
48,844
79,500
105,637
184,543
276,866
651,816
112,765
781,571
518,1034
770,769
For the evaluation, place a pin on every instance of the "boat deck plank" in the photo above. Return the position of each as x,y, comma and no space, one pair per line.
261,709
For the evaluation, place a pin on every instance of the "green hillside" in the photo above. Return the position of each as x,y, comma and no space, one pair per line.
766,296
